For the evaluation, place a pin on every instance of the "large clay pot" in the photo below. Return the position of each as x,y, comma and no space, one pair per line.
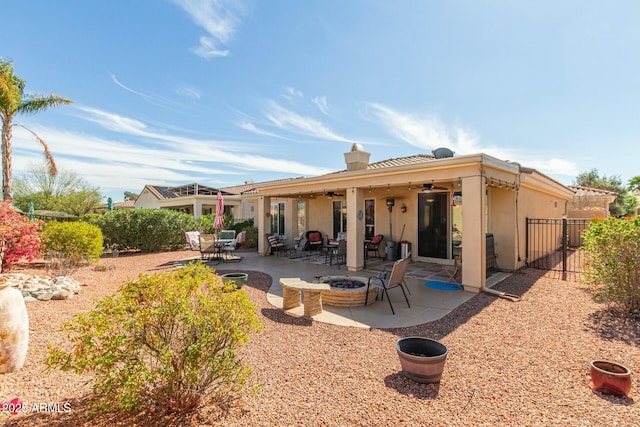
237,278
14,329
610,378
422,359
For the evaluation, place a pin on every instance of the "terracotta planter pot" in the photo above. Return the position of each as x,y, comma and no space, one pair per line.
14,329
422,359
610,378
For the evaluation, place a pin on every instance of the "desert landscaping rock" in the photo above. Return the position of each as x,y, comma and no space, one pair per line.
510,363
36,288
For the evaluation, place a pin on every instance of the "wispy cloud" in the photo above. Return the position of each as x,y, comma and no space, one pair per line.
292,93
152,99
219,18
429,132
137,155
249,126
321,103
188,91
288,120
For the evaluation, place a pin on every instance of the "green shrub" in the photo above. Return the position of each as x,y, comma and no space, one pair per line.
613,262
149,230
168,339
69,244
205,223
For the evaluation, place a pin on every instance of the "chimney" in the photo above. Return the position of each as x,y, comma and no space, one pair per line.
357,158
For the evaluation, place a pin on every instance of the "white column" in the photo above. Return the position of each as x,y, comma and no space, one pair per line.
355,229
264,223
473,233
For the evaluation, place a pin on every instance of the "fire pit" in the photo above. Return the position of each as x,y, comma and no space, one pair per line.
346,291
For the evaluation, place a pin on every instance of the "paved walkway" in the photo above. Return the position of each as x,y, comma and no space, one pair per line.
427,304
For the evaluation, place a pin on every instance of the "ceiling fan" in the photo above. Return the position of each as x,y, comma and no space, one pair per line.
331,194
432,187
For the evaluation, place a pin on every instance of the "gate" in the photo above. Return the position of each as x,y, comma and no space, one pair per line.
555,244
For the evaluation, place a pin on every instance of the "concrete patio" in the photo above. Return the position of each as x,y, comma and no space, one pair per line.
427,304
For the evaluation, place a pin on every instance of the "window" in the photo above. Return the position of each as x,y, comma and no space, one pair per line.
301,217
339,217
277,218
369,219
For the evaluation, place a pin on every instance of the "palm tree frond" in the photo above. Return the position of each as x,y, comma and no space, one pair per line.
48,157
36,103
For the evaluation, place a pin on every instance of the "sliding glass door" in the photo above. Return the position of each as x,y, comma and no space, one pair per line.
433,225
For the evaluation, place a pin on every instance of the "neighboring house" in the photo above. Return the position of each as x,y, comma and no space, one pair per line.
441,206
590,202
127,204
198,200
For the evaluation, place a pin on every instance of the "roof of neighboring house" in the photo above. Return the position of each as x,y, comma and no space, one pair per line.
251,188
164,192
124,205
588,191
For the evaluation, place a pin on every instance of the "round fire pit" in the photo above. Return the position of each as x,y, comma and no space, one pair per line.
346,291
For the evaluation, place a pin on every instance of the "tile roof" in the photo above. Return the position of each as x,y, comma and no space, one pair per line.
589,191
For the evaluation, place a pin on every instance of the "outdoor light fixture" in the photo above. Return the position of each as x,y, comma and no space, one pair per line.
403,208
390,203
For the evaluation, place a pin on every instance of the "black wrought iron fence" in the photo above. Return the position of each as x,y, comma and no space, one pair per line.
555,244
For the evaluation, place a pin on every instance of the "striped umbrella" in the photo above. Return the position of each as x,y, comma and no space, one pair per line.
218,223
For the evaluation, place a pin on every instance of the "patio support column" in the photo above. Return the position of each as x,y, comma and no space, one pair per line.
197,208
355,229
264,223
474,231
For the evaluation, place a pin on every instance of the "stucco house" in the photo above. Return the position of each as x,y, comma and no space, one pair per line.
438,206
442,206
197,199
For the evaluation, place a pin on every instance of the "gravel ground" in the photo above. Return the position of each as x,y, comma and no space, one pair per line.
509,363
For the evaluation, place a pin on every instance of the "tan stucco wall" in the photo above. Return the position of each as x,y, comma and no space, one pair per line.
501,204
146,200
533,203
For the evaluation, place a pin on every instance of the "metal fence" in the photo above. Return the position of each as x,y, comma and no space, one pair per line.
555,244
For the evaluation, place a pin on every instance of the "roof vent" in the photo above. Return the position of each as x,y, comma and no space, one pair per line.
442,153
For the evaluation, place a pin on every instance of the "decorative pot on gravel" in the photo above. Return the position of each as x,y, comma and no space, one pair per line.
422,359
14,328
610,378
237,278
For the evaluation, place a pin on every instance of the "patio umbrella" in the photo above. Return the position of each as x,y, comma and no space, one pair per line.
32,214
218,223
110,204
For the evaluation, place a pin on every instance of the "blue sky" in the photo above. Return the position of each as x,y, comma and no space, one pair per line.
222,92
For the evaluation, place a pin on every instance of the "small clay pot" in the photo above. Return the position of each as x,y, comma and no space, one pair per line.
610,378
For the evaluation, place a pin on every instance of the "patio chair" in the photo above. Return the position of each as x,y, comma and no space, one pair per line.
232,246
316,241
193,239
373,245
394,279
452,271
276,246
208,248
302,246
337,252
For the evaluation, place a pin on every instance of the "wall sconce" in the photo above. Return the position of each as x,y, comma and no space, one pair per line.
403,208
267,214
